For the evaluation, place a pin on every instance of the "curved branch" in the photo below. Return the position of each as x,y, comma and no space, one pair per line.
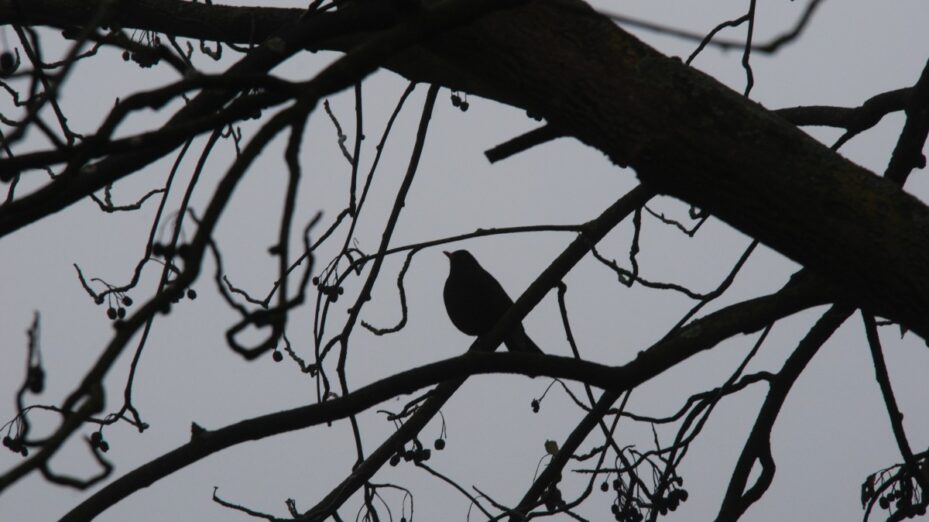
701,335
758,445
890,401
799,293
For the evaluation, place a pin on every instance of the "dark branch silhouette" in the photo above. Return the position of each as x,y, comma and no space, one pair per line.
219,106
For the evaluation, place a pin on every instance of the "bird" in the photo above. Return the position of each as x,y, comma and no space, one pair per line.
475,301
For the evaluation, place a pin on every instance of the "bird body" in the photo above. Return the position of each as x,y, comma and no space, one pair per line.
475,301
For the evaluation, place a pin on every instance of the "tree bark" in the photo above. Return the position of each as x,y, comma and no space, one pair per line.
684,134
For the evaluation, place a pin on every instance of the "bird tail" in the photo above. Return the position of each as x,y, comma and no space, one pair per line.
518,341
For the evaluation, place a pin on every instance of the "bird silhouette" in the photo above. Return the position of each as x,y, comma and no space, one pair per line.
475,301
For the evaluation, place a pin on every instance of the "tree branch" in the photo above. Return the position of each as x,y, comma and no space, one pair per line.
685,134
758,445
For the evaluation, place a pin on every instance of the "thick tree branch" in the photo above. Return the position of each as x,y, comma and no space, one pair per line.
691,137
685,134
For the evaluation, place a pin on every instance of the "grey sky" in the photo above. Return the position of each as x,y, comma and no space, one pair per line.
833,430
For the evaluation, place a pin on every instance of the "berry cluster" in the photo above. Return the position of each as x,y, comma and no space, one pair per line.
901,500
97,441
626,507
16,445
117,307
460,102
189,294
332,292
671,501
626,513
417,454
897,492
144,56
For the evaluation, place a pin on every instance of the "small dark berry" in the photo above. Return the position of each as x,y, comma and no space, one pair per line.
340,290
614,508
111,313
394,460
158,250
127,301
604,487
408,455
24,451
535,405
277,356
425,454
121,312
439,444
7,62
464,106
191,294
98,299
96,438
7,441
456,101
315,281
126,56
333,297
683,495
104,446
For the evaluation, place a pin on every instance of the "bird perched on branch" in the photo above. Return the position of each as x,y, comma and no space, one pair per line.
475,301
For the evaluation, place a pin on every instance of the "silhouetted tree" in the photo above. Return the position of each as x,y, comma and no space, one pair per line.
862,241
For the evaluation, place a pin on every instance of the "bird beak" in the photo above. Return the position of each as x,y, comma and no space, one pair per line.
447,253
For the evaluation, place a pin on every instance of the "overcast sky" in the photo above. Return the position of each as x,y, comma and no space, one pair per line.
832,432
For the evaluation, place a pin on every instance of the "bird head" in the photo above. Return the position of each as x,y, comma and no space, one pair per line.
460,258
